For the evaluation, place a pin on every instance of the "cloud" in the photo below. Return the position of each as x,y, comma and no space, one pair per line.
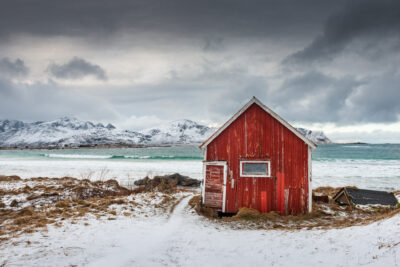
317,97
202,60
178,18
377,100
314,96
13,69
77,68
369,22
47,101
137,123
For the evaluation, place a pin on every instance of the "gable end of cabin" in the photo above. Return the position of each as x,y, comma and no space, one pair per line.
256,161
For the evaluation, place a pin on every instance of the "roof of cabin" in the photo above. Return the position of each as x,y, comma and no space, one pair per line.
254,100
365,197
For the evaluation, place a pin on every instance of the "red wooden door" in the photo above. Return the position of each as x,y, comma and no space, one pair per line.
214,186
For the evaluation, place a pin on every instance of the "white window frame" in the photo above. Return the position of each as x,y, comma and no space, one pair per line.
268,162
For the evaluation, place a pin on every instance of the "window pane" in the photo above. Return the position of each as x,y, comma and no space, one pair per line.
260,168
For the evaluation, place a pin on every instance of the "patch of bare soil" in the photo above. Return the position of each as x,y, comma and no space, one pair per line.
29,205
324,215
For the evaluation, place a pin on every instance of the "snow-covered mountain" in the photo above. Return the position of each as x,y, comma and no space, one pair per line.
73,132
63,131
179,132
317,137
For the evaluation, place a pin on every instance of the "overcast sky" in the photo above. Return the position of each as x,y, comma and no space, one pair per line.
325,65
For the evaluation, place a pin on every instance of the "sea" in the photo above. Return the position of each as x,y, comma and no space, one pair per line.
370,166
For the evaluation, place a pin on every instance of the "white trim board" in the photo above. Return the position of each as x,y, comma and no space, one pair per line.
268,175
309,179
203,184
266,109
218,163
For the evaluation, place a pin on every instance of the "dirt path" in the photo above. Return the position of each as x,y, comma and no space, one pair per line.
149,240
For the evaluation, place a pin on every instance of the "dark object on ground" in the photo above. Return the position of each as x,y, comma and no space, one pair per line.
354,196
172,180
323,198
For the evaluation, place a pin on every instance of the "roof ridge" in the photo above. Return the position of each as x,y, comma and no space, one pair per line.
266,109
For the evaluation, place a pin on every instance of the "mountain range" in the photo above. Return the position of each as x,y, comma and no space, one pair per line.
69,131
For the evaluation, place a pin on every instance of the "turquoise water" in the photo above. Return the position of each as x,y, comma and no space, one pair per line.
375,166
156,153
322,153
357,152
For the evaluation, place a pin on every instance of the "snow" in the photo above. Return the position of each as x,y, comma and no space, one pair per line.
180,131
122,171
63,131
186,239
372,174
318,137
73,132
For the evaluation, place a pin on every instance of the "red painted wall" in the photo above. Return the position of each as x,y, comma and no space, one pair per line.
257,135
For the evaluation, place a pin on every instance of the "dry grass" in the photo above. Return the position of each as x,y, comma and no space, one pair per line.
14,203
27,220
52,201
195,203
12,178
324,215
328,190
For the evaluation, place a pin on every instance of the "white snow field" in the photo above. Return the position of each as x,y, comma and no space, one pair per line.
186,239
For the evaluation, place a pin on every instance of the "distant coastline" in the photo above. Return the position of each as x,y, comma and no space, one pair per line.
125,145
353,143
95,146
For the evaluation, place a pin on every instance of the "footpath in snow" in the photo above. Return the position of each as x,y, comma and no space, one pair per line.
186,239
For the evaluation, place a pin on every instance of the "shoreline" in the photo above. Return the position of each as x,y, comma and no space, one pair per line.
126,145
95,146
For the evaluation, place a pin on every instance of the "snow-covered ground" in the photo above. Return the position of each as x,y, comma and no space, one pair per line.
185,239
379,175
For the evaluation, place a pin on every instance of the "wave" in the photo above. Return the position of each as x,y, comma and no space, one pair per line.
357,160
77,156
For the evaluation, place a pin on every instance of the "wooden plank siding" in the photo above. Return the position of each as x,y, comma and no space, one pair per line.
214,187
256,135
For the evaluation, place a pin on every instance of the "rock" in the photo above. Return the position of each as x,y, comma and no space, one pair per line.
171,180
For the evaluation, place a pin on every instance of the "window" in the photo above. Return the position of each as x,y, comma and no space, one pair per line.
255,168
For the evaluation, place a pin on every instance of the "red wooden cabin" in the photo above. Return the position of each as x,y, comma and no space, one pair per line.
257,160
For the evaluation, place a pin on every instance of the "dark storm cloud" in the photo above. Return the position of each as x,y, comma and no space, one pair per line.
14,68
76,68
378,99
371,22
317,97
314,96
100,18
242,44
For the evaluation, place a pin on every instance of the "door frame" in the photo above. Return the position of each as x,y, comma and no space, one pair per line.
218,163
